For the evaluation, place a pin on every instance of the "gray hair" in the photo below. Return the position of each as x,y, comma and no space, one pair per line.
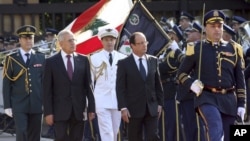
61,34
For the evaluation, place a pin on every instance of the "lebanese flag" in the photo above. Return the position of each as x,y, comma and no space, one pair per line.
110,13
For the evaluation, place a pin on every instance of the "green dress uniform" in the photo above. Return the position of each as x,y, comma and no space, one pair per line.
22,89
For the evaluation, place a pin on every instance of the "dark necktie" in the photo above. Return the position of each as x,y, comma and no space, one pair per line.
110,59
69,67
28,59
142,69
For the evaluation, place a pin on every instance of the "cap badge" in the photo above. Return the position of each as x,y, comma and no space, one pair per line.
28,29
216,13
108,30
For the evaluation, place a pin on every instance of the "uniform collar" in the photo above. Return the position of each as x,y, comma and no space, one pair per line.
215,43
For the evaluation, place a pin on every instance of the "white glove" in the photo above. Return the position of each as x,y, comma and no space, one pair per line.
8,112
174,45
197,87
241,112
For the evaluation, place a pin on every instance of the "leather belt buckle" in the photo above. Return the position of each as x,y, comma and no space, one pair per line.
222,91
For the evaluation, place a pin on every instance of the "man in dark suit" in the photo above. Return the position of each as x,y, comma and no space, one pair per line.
139,91
22,86
67,86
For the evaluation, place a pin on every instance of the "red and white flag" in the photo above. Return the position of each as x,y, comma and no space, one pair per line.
111,13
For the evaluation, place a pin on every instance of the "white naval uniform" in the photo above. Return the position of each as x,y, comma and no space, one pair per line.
109,118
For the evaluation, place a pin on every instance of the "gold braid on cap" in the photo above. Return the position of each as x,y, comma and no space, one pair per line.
8,65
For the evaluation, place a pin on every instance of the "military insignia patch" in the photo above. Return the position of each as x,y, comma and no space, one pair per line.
134,19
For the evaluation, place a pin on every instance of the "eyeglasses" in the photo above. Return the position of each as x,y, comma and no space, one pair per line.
142,43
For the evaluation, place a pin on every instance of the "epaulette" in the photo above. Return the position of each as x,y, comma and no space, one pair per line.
190,49
12,53
239,51
39,52
238,47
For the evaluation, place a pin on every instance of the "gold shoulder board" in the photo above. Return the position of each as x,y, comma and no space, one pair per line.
190,49
238,48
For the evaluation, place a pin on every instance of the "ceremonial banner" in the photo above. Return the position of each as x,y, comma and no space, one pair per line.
111,13
140,19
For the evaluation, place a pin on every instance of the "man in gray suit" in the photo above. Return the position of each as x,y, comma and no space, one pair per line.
139,90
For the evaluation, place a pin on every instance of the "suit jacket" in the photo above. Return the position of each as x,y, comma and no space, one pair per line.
62,95
22,85
136,94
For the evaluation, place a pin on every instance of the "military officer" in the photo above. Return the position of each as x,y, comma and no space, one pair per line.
103,73
22,86
218,79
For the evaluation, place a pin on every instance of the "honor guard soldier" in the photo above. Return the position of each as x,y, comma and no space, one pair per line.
12,42
50,34
218,79
228,33
50,46
185,23
176,34
191,126
22,86
170,61
236,22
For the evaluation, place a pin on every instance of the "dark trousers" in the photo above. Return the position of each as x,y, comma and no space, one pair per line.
147,125
217,124
69,130
192,126
28,126
167,126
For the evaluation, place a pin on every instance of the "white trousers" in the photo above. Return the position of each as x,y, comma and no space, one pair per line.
109,121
